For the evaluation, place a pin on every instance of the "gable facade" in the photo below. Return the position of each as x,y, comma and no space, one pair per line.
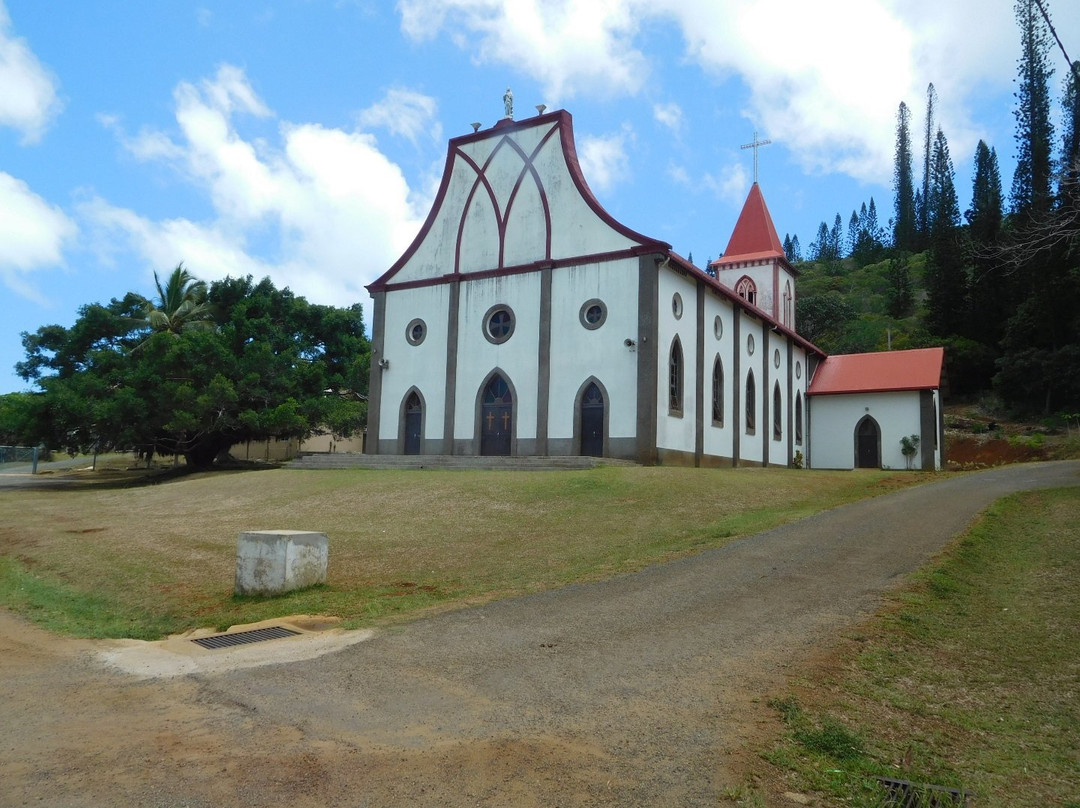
525,320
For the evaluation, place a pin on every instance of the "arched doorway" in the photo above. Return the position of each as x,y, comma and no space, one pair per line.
496,417
414,420
867,444
592,421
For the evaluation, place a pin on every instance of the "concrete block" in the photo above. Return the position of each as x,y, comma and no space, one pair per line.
270,562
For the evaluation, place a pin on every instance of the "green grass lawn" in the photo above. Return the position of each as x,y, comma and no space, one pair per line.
100,560
970,680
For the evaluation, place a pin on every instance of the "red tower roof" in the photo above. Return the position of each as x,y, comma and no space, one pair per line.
754,236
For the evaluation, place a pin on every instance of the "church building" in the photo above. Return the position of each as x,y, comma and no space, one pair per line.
525,320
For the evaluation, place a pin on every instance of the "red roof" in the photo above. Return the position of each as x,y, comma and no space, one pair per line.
883,372
754,236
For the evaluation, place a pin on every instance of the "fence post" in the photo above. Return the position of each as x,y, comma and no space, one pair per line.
34,469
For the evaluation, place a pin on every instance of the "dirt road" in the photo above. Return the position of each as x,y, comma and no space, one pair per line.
642,690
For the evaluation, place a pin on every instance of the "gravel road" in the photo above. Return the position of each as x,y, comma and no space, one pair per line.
641,690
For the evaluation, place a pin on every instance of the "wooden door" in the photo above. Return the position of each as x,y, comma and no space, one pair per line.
868,444
592,422
414,412
496,417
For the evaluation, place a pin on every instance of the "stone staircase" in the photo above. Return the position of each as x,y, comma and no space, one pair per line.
354,460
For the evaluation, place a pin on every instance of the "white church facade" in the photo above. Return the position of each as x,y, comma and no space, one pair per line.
525,320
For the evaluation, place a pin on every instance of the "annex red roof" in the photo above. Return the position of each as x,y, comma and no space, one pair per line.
754,236
887,371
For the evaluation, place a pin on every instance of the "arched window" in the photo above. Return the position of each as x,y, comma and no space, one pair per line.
747,290
788,315
718,392
751,403
777,406
675,378
798,418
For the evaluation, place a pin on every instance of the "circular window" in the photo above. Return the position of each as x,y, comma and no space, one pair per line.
416,331
499,324
676,305
776,358
798,370
718,326
593,314
750,344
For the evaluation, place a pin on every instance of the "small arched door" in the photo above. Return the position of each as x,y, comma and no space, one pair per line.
867,444
414,419
496,417
592,422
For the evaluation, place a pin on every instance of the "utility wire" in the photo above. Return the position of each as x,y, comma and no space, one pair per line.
1072,65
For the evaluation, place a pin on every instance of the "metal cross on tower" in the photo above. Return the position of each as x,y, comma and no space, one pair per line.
755,146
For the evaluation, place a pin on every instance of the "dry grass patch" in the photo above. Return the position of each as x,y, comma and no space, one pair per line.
109,561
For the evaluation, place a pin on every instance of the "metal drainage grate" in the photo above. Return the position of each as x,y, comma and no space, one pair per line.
905,794
244,637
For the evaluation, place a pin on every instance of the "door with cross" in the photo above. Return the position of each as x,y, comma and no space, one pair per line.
496,417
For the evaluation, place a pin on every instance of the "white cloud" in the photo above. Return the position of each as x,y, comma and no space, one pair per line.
333,210
825,78
669,115
406,113
33,234
28,100
729,186
569,47
604,161
679,174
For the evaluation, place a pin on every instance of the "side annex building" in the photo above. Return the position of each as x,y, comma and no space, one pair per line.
525,320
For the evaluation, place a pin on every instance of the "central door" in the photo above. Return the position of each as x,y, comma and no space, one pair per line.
867,443
592,422
496,417
414,411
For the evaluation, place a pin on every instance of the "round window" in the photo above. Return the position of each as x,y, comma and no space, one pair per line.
718,326
416,331
750,344
776,358
499,324
593,313
676,305
798,370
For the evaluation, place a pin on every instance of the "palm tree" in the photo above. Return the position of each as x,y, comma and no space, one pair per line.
181,304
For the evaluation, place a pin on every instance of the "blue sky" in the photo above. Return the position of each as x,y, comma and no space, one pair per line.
304,139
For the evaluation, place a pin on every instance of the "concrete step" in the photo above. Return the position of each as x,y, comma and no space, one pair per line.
352,460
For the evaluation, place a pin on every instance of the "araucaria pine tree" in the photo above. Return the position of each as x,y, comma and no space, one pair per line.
946,274
991,297
1069,185
1031,192
903,185
928,147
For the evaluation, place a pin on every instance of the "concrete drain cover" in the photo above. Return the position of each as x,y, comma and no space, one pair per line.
244,637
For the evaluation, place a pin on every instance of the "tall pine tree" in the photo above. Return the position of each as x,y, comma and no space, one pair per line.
946,275
991,298
1069,184
903,184
928,146
1039,369
1031,194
